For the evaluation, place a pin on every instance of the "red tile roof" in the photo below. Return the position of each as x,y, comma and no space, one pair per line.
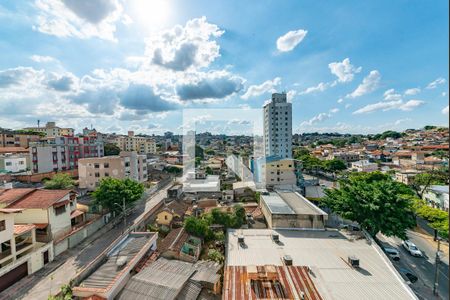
22,228
13,150
31,198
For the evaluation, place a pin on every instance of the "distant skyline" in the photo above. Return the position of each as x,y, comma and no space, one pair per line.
348,67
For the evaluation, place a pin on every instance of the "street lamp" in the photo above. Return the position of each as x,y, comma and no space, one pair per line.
124,212
436,271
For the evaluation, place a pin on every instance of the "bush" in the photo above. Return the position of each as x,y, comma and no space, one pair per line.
438,219
215,255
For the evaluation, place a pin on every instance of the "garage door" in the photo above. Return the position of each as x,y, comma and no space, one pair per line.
13,276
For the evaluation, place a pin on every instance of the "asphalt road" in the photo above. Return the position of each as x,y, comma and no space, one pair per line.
422,267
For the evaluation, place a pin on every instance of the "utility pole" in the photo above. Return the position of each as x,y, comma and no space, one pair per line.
124,215
436,271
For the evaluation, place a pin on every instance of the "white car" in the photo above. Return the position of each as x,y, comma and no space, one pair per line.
392,253
412,249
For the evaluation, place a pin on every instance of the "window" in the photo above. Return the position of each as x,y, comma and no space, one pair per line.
60,210
8,163
2,225
97,174
106,174
97,166
106,165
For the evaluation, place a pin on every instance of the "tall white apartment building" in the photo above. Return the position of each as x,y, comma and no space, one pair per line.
278,127
141,145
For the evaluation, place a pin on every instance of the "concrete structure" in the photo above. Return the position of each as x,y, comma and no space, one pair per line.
112,271
347,157
141,145
63,152
14,163
53,212
10,138
210,184
364,166
307,264
287,209
405,176
437,196
125,165
20,253
274,171
51,130
278,126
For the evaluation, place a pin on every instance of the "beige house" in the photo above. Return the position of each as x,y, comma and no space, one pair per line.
125,165
52,130
20,253
142,145
53,212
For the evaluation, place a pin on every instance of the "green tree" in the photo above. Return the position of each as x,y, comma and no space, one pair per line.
375,201
111,149
301,151
335,165
198,227
239,216
215,255
438,219
112,191
60,181
422,181
199,152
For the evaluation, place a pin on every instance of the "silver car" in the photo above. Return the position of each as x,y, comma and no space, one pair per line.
412,248
392,253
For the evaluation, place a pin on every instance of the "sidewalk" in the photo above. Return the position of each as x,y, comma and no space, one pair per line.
430,239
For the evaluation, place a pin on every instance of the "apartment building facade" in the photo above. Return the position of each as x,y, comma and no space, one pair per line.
51,130
142,145
125,165
278,126
274,171
17,139
63,152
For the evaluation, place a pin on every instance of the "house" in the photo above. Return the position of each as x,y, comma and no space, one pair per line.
20,253
437,196
175,192
228,195
178,244
53,212
171,213
364,166
405,176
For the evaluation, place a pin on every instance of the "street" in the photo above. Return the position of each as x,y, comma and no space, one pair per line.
59,272
422,267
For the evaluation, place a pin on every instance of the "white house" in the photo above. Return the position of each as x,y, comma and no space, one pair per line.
364,166
437,196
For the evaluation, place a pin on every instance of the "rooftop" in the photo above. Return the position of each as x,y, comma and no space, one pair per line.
288,202
325,253
30,197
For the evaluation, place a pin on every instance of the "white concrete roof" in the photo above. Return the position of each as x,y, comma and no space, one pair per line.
326,253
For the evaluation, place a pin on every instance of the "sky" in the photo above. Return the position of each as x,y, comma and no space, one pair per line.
346,66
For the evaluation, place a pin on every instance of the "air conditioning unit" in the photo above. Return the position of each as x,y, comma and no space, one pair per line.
287,260
353,261
241,239
276,238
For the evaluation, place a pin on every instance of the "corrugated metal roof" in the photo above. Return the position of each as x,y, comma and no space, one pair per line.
326,253
276,204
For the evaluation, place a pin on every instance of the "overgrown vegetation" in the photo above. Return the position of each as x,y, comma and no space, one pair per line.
438,219
60,181
111,149
312,163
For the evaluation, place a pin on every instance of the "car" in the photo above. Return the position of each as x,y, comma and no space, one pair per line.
392,253
412,248
409,275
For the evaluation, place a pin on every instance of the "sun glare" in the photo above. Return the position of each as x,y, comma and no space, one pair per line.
152,14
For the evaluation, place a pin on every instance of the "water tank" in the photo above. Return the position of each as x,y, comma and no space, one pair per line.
287,260
353,261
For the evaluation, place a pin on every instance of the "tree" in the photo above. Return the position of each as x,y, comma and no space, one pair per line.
335,165
301,151
113,191
239,216
198,227
199,152
438,219
215,255
111,149
375,201
422,181
60,181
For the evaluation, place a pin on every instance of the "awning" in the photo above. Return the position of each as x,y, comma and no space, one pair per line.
41,225
22,228
62,203
76,213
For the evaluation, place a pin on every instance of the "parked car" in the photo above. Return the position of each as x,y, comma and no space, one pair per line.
408,274
412,248
392,253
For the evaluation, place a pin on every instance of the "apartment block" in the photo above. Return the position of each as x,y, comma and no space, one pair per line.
9,138
142,145
278,126
14,160
63,152
273,171
51,130
125,165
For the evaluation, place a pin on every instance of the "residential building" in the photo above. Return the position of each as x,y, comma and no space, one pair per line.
51,130
308,264
125,165
14,161
142,145
171,214
437,196
178,244
63,152
20,253
11,138
347,157
405,176
278,126
51,211
287,209
274,171
208,184
112,270
364,166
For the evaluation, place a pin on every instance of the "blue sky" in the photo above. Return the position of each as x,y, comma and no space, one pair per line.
347,66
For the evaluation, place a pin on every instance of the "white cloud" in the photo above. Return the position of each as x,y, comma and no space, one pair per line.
81,19
344,70
291,95
290,40
444,94
391,95
434,84
445,110
322,86
340,100
390,105
319,118
42,59
412,91
369,84
190,47
348,105
400,121
265,87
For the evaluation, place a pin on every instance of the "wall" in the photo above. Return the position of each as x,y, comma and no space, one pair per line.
7,234
31,215
87,170
60,224
39,177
